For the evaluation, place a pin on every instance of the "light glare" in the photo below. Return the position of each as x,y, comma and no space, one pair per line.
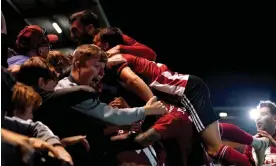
57,28
253,114
223,114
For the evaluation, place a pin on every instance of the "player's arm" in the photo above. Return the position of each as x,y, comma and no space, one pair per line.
135,84
166,127
137,49
148,138
144,139
129,76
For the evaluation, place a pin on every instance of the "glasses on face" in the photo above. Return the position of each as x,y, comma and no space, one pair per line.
45,41
44,32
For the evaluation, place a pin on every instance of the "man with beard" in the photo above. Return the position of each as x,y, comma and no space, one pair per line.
85,24
265,123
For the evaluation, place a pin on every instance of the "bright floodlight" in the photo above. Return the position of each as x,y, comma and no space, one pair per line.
253,114
57,28
223,114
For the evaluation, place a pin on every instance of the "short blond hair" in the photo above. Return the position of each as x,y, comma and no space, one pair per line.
88,51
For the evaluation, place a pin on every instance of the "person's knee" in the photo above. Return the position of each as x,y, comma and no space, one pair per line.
211,139
213,150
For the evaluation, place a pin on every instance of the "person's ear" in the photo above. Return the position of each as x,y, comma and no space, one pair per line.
105,46
41,83
76,65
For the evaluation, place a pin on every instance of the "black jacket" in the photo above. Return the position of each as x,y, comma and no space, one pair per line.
58,113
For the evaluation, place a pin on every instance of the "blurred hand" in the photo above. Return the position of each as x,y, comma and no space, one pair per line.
154,107
27,144
76,139
14,69
120,137
114,60
54,151
40,145
263,133
11,52
113,51
63,154
119,102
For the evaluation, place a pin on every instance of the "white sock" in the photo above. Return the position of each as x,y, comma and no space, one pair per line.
256,143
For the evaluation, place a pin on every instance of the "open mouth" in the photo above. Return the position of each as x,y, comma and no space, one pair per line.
96,80
259,125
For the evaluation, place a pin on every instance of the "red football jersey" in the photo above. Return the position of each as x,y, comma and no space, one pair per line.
177,125
157,75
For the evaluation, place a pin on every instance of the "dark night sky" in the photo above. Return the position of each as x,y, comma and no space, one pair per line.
230,46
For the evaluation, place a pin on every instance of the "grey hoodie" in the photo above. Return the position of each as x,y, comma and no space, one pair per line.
31,129
93,107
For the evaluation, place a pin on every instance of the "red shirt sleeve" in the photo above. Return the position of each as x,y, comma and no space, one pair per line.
135,48
129,41
147,70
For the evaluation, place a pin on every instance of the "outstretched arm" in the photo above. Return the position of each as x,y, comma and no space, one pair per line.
135,84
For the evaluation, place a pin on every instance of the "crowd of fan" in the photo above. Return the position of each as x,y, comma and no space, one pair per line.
54,109
32,106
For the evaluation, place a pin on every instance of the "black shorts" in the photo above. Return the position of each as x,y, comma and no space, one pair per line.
196,100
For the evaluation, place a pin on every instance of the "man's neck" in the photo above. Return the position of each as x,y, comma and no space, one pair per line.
87,39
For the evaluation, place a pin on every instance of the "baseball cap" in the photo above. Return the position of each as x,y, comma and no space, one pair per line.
34,36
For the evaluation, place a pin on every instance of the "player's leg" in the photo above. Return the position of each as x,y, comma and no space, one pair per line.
235,134
197,101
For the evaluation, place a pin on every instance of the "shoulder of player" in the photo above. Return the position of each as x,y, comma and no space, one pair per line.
128,40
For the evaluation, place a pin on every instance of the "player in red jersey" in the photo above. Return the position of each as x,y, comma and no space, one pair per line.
84,25
186,90
265,124
148,72
183,148
167,125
